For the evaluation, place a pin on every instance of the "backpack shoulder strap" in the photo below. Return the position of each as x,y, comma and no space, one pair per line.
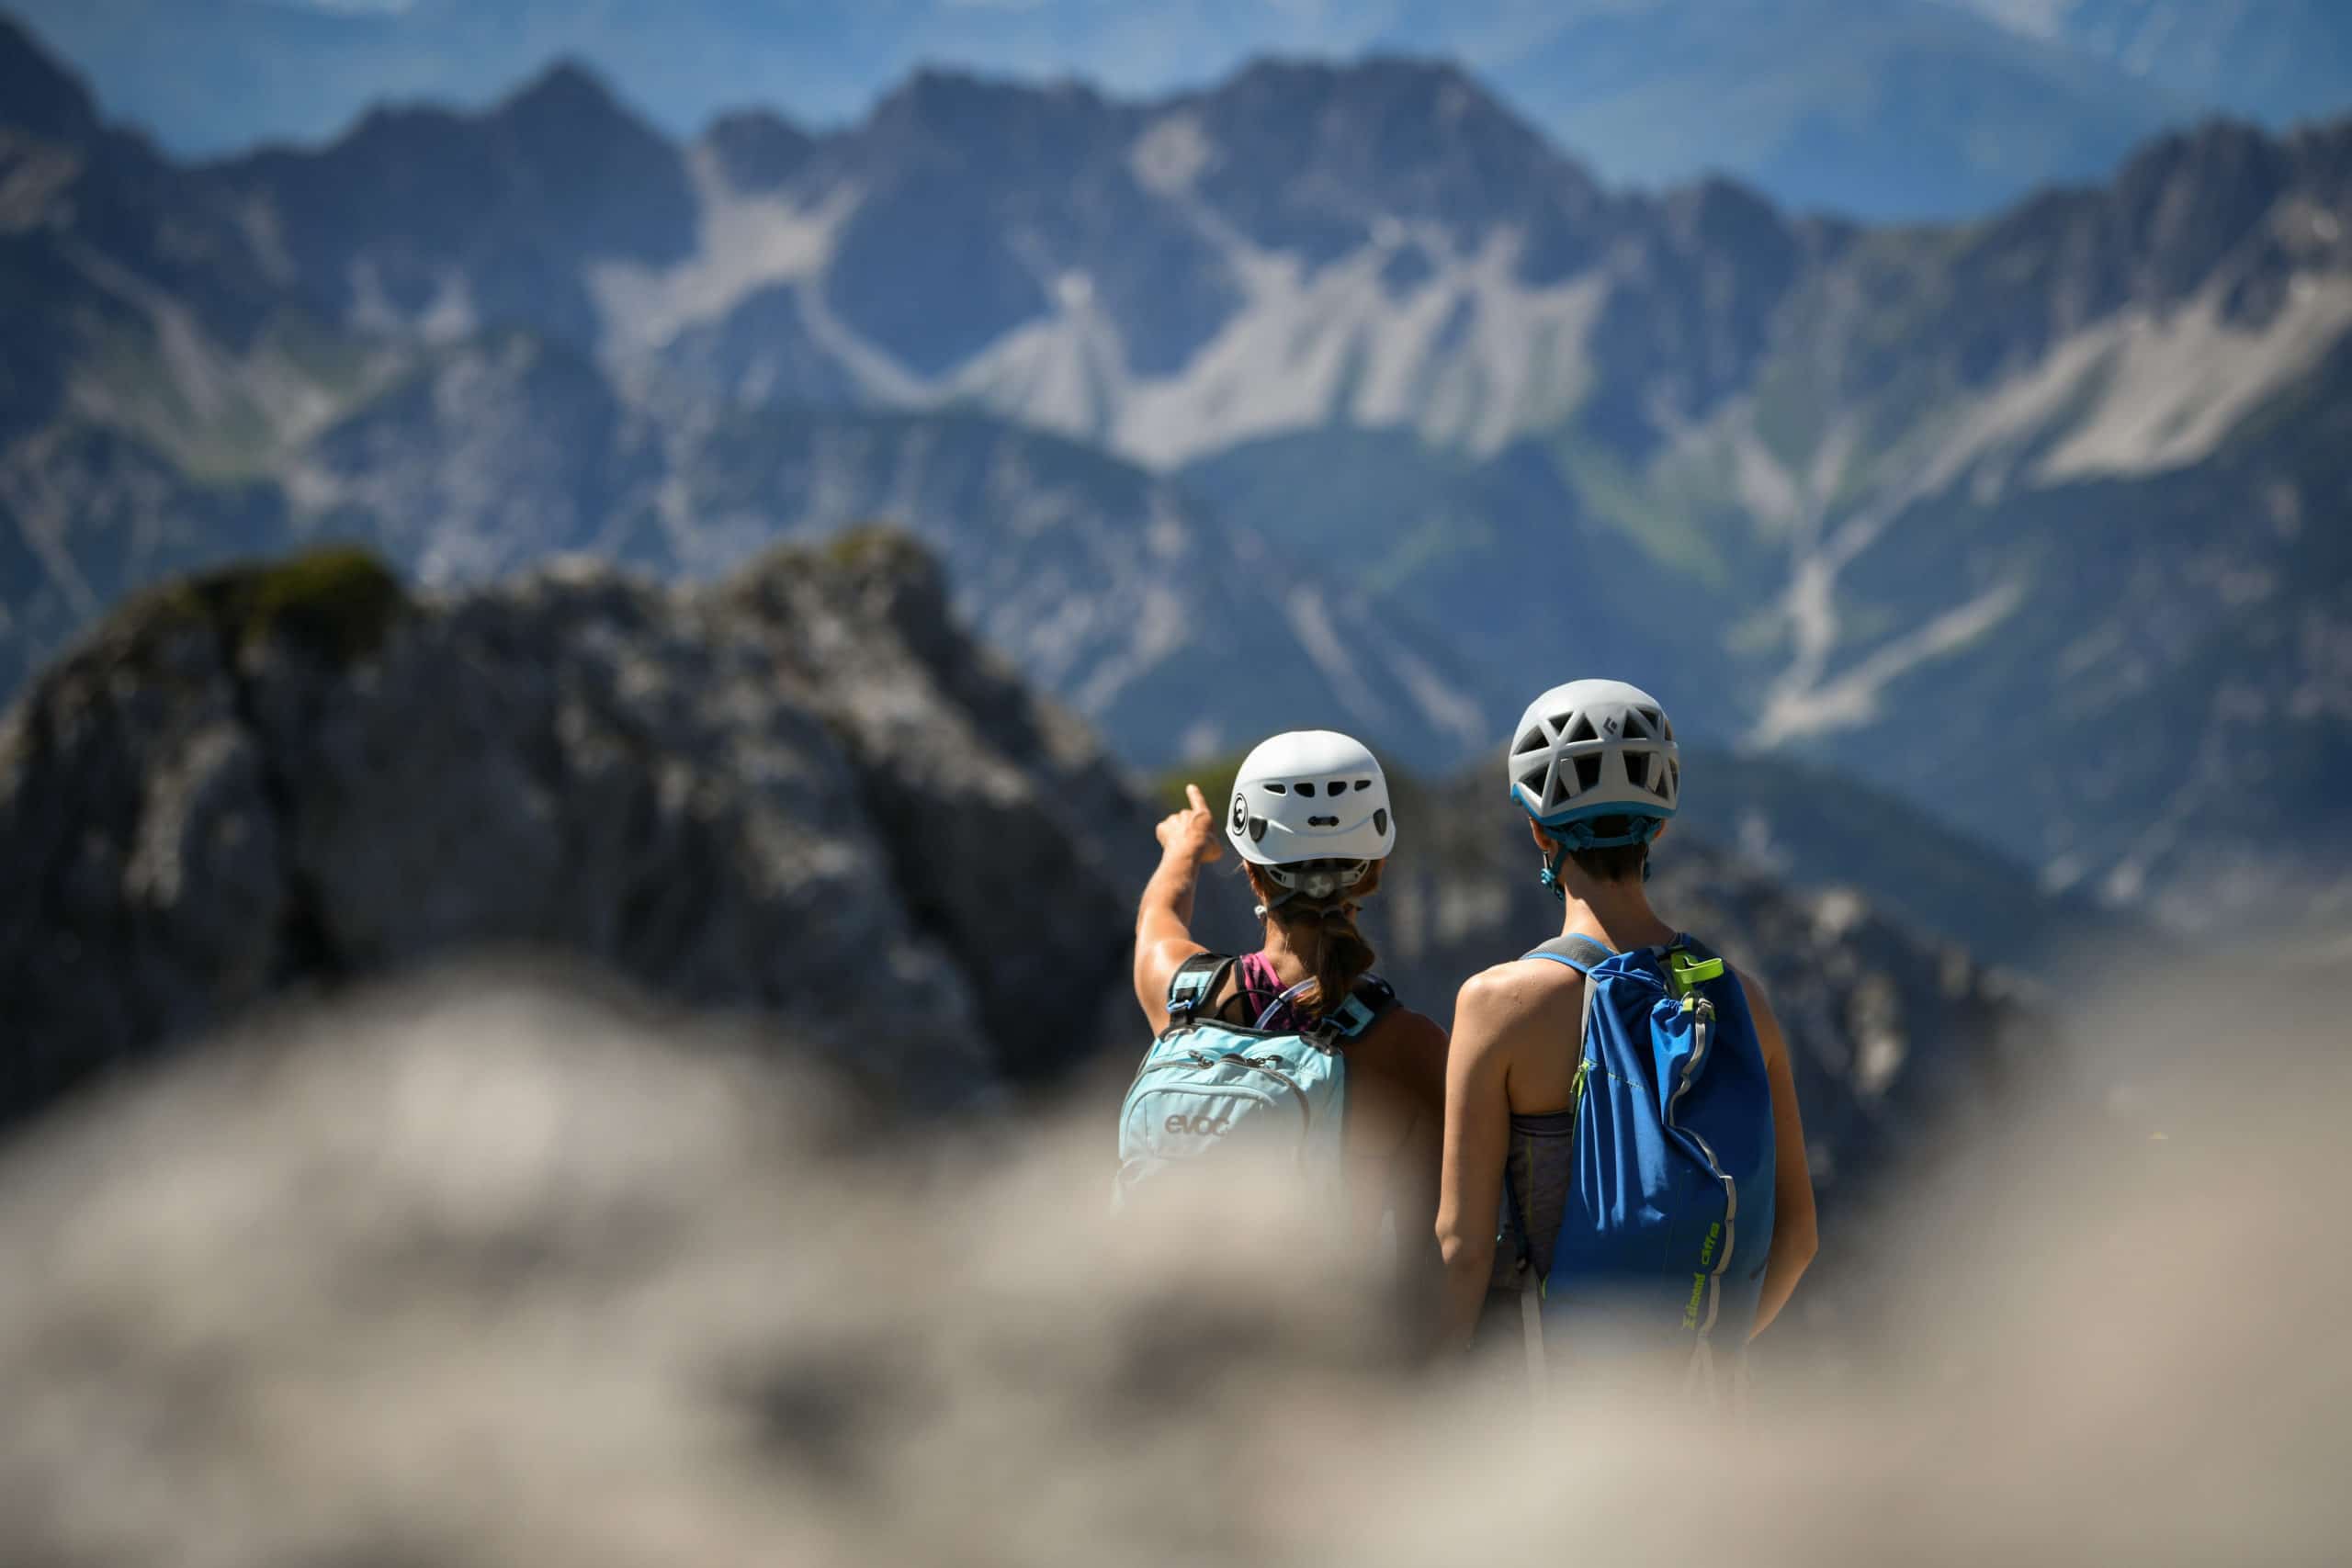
1195,982
1372,998
1578,953
1584,956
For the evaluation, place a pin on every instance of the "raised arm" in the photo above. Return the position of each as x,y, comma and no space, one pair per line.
1478,1138
1795,1235
1187,840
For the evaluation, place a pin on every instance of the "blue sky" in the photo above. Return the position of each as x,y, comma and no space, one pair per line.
1881,108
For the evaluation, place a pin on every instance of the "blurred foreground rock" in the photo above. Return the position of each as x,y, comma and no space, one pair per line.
501,1279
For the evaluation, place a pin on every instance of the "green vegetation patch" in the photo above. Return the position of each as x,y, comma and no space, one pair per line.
338,601
874,546
1684,512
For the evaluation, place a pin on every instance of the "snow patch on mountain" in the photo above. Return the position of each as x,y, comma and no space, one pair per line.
1444,705
1473,356
2176,387
1851,698
746,243
1173,154
1311,622
1067,373
2145,391
1467,354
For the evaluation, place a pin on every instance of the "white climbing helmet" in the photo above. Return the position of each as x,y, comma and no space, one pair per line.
1312,807
1596,749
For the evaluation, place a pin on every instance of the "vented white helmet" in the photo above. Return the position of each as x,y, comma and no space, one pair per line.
1311,806
1596,749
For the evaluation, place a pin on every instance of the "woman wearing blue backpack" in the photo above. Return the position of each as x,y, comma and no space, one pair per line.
1619,1097
1298,1047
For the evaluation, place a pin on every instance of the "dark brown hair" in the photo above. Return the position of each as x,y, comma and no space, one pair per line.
1341,956
1618,862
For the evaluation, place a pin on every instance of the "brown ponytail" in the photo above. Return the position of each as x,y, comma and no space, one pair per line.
1341,956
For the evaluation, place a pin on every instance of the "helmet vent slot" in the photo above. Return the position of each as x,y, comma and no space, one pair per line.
1257,829
1306,788
1277,789
1637,769
1363,783
1581,731
1652,720
1533,740
1674,778
1380,821
1588,771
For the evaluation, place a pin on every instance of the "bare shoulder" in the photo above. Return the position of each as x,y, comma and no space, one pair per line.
1759,1001
1526,991
1759,1009
1410,1047
1415,1032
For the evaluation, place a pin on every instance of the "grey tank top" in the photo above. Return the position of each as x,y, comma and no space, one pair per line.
1535,1193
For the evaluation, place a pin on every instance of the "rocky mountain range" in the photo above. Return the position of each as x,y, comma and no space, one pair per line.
2031,521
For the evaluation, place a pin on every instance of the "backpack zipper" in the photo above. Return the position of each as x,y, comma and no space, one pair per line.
1705,1016
1269,1066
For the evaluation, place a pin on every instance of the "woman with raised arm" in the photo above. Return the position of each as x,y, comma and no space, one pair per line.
1297,1046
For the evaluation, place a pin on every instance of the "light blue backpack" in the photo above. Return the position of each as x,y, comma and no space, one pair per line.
1206,1086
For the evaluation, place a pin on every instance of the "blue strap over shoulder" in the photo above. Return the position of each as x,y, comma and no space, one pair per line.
1352,1017
1196,980
1578,953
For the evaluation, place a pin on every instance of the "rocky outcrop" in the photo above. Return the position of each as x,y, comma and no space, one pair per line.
800,793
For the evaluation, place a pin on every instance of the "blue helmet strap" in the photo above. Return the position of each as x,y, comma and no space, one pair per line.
1569,836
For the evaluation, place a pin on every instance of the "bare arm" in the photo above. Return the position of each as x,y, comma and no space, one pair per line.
1795,1235
1478,1138
1187,840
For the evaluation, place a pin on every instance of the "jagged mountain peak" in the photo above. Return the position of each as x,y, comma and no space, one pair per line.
1388,118
1373,78
568,93
39,95
758,150
943,102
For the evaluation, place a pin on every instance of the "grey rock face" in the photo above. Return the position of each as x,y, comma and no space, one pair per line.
801,792
1113,589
